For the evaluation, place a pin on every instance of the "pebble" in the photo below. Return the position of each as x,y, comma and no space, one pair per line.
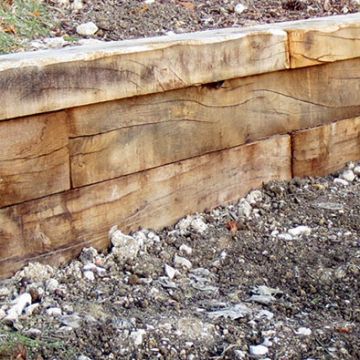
54,311
244,208
33,333
31,308
87,29
254,197
348,175
300,231
148,2
83,357
20,303
198,225
185,249
357,168
239,354
88,255
125,246
341,182
52,285
258,350
170,271
285,236
138,336
89,275
240,8
77,5
36,272
4,292
303,331
72,320
180,261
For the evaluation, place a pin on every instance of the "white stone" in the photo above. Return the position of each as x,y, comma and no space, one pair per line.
125,246
52,285
240,8
170,271
89,275
357,168
244,208
77,4
83,357
87,29
20,303
2,314
185,249
254,197
258,350
239,354
89,267
348,175
88,255
198,225
33,333
100,271
36,272
4,292
148,2
303,331
341,182
138,337
285,236
31,308
54,311
180,261
184,224
56,42
301,230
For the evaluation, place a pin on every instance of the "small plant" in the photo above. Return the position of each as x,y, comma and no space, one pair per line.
22,20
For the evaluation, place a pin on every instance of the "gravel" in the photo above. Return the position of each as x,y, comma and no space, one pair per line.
205,289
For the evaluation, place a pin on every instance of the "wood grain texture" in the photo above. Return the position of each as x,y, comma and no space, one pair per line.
325,149
318,41
55,228
52,80
34,158
121,137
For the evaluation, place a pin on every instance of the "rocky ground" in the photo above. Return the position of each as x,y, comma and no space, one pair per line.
87,21
274,276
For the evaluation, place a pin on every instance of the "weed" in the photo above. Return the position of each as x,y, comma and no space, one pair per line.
22,20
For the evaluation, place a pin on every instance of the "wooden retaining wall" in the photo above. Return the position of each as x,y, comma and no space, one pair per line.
140,133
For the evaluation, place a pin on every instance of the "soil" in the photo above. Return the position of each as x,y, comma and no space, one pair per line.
275,275
124,19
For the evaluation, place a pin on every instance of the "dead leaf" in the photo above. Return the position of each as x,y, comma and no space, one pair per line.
232,226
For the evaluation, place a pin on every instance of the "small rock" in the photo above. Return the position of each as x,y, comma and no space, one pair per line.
258,350
31,308
300,231
77,5
52,285
303,331
184,224
254,197
125,246
285,236
148,2
54,311
20,303
233,312
348,175
87,29
357,168
244,208
2,313
56,42
240,8
185,249
83,357
138,337
33,333
72,320
180,261
170,272
36,272
88,255
89,275
4,292
239,354
341,182
198,225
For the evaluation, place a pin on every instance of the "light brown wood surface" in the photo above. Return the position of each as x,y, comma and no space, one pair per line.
52,80
325,149
130,135
34,158
324,40
56,227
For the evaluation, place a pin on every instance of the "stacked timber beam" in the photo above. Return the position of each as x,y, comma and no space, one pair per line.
140,133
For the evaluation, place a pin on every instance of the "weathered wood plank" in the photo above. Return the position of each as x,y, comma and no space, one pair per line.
57,79
34,158
323,40
144,132
325,149
56,227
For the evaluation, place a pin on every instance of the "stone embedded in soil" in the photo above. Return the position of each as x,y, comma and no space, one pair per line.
54,311
303,331
125,246
87,29
185,249
88,255
348,175
244,208
182,262
36,272
341,182
170,271
138,336
240,8
258,350
254,197
357,168
299,231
